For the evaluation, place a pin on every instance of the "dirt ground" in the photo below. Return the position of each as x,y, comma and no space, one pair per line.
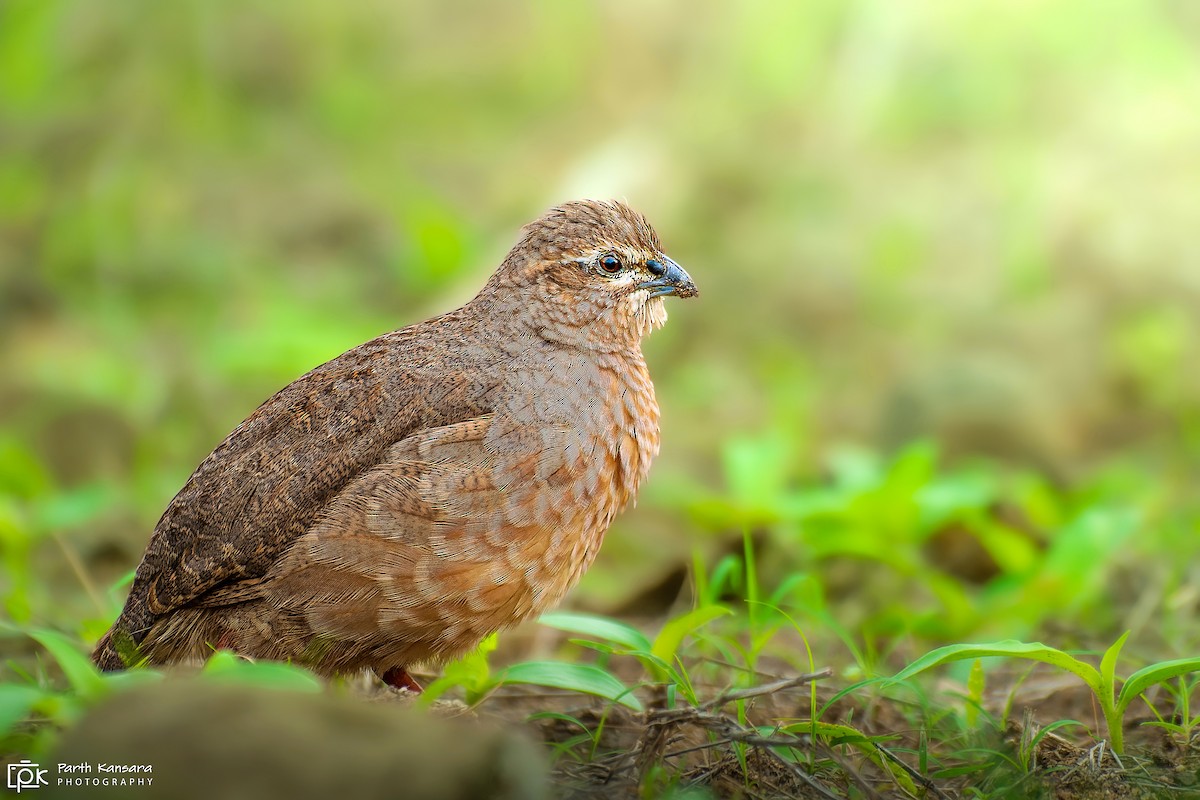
601,751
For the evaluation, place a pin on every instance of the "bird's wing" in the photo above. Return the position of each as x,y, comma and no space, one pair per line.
441,543
275,473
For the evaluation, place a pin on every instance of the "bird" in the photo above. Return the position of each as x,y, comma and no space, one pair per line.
400,503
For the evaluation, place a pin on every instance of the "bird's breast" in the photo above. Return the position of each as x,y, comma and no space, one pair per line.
569,460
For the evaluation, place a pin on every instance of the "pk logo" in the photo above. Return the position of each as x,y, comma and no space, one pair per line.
26,775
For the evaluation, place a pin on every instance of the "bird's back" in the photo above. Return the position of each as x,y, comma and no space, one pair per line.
266,483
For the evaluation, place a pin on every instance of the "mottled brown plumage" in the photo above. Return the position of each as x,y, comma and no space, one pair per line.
401,502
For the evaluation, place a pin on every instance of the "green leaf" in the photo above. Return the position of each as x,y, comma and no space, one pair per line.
1033,651
1028,750
15,702
131,678
1071,563
756,471
556,715
122,582
583,678
607,630
471,672
1144,678
83,677
669,639
225,666
726,574
1108,671
835,734
831,731
71,509
975,687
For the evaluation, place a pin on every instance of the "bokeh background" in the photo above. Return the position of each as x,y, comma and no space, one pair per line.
945,249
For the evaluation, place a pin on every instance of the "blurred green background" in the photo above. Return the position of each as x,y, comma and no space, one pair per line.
970,225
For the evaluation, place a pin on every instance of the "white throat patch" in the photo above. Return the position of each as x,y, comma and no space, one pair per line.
649,313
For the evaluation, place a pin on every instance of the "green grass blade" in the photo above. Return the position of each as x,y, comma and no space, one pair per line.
669,639
602,628
81,674
472,672
976,685
1144,678
835,734
120,681
583,678
1033,651
225,666
1108,671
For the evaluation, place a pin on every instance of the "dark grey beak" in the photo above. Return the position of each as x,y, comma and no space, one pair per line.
669,278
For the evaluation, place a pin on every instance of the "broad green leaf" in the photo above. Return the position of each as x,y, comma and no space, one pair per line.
1077,549
669,639
83,676
1034,651
1108,671
15,702
1014,552
1144,678
951,497
835,733
225,666
92,629
602,628
849,690
583,678
471,672
132,677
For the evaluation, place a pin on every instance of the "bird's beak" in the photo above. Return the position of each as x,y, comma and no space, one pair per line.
670,278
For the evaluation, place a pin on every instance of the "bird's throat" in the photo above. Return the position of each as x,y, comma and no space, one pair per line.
649,313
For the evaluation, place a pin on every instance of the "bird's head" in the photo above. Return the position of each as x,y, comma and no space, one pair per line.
594,272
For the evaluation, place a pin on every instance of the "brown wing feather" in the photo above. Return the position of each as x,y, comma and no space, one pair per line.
277,472
391,566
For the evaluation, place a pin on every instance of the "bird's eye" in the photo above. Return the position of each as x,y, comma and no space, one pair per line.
610,264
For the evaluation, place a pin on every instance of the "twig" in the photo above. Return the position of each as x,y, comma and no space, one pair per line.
912,773
768,745
735,732
708,746
81,574
766,688
847,768
720,662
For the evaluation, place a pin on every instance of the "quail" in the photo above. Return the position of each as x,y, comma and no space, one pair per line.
421,491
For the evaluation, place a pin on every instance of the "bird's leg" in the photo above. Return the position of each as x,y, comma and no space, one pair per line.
398,678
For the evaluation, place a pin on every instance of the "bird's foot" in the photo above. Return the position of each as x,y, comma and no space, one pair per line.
398,678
